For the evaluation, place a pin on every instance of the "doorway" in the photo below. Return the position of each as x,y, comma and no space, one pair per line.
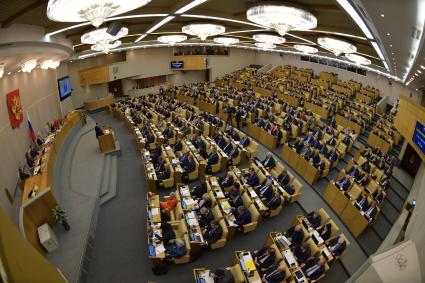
115,87
411,161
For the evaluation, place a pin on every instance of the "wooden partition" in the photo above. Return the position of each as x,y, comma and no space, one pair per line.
191,62
344,122
322,112
376,141
264,137
409,112
96,75
304,168
263,91
293,101
328,77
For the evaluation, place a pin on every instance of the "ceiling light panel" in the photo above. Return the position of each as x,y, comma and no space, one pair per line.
336,46
306,49
203,30
346,5
267,38
172,39
226,40
29,65
358,59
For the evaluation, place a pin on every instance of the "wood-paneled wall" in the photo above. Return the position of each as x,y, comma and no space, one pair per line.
191,62
96,75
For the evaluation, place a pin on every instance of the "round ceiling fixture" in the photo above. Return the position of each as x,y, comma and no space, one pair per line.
49,64
360,60
203,30
103,41
94,11
29,65
282,18
226,40
265,45
172,39
337,46
306,49
267,38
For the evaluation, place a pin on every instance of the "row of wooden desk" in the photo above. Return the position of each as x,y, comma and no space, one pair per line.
303,167
322,112
344,122
375,141
263,136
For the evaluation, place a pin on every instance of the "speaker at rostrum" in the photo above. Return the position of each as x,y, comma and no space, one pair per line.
114,28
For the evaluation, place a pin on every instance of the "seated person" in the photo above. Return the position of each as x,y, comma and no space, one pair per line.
164,175
378,195
213,232
202,150
22,174
242,216
274,202
320,164
362,179
371,210
170,202
344,183
245,141
226,181
314,268
252,178
178,146
212,159
295,235
290,189
222,275
333,155
234,198
264,257
366,167
275,274
184,158
268,161
284,178
198,191
353,172
362,201
314,218
160,165
205,217
205,201
325,231
337,245
302,252
175,249
189,167
265,192
98,130
167,234
234,152
385,182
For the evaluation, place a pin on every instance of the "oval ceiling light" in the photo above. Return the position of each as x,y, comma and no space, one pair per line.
226,40
282,18
105,47
306,49
337,46
358,59
94,11
103,41
29,65
203,30
265,45
267,38
172,39
49,64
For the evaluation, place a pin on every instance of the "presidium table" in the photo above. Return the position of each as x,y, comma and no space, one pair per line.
38,197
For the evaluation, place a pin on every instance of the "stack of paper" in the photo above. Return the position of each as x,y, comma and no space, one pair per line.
155,211
159,249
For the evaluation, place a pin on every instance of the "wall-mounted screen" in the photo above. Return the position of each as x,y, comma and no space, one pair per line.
419,136
177,64
64,87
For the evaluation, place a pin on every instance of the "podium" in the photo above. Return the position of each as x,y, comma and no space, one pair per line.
107,141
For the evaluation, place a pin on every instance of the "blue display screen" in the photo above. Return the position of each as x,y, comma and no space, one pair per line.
419,136
65,88
177,64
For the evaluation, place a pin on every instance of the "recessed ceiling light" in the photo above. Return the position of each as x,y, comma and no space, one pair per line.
382,15
9,73
422,67
419,71
392,53
388,34
391,45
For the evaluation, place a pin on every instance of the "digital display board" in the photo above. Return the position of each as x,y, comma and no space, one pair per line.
419,136
177,64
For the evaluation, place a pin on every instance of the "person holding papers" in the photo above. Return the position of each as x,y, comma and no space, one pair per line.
252,178
170,202
295,235
314,268
264,257
325,231
242,215
213,232
265,192
205,217
268,161
275,274
175,249
337,245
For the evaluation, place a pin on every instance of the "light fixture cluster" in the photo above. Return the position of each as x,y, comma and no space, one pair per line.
94,11
306,48
172,39
102,41
49,64
360,60
226,40
203,30
336,46
29,65
1,70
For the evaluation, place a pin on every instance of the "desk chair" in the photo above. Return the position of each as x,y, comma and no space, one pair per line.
297,194
252,149
186,257
194,175
223,240
255,215
277,170
324,216
168,183
237,273
278,210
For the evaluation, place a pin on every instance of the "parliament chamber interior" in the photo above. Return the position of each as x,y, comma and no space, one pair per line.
212,141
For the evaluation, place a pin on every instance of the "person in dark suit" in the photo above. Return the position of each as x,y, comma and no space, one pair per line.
205,201
213,232
302,252
370,211
268,161
275,274
98,130
378,195
178,145
242,216
160,165
333,155
264,257
314,218
189,167
198,191
325,231
168,233
283,179
366,167
245,141
22,174
235,198
205,217
222,275
234,152
252,178
226,181
344,183
274,202
337,245
354,171
175,249
265,192
314,268
295,235
289,188
30,161
362,201
385,182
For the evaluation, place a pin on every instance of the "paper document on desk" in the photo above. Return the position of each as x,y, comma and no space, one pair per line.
159,249
155,211
36,170
184,192
219,194
205,277
252,193
189,202
175,161
192,222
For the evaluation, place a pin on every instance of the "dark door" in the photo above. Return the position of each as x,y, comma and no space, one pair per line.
411,161
115,87
207,75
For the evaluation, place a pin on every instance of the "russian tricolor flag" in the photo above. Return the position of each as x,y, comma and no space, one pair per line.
33,136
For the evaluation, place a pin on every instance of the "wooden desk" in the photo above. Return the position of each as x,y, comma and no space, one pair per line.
107,140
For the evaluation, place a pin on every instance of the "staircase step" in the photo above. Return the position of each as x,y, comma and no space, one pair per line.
104,187
113,180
